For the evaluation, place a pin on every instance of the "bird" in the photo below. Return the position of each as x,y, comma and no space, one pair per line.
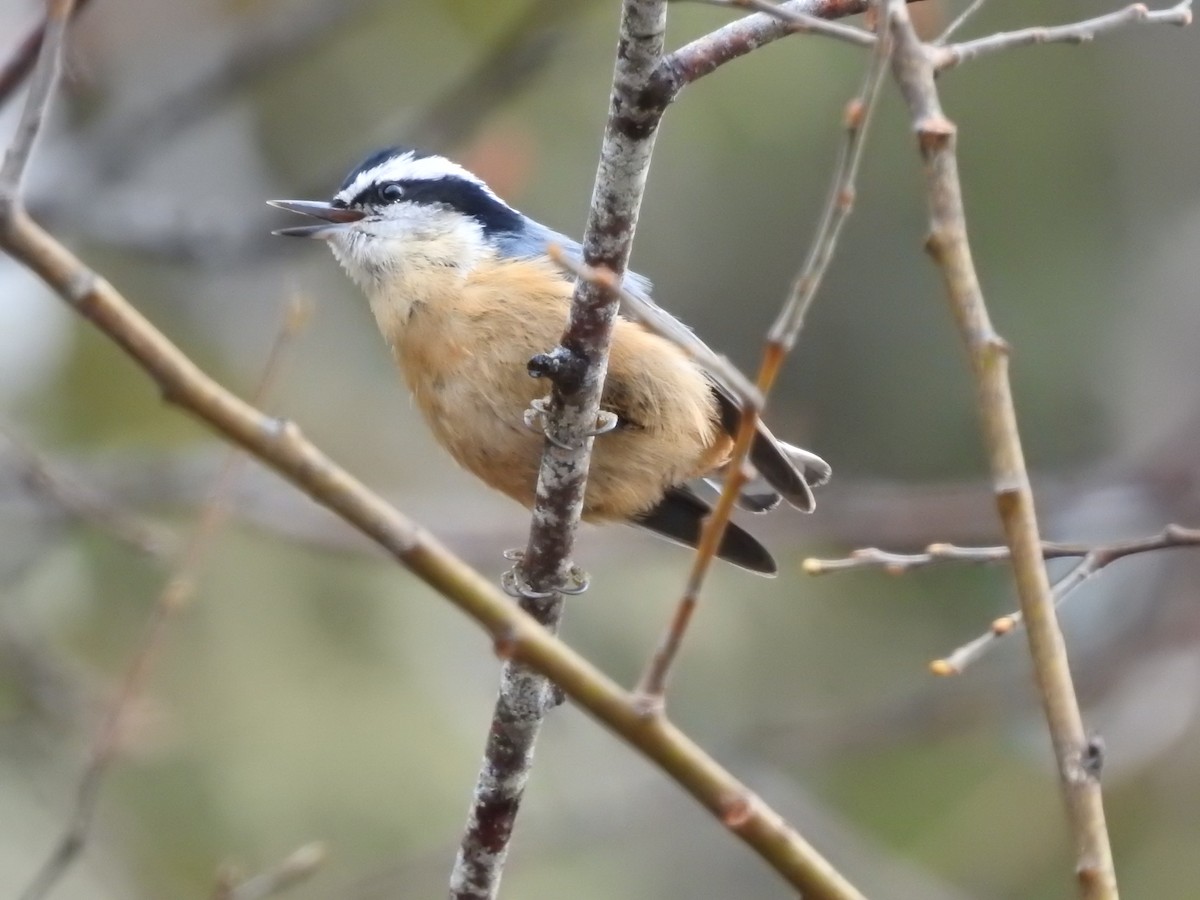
464,292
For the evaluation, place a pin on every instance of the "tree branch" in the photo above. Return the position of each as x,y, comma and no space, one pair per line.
780,339
949,56
800,22
299,866
949,246
25,55
570,419
704,55
1094,558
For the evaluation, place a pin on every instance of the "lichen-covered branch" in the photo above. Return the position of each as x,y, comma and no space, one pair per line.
576,370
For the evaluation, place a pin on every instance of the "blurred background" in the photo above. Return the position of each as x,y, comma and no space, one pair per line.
314,691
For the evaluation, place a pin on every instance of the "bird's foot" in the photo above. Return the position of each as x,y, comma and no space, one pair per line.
514,585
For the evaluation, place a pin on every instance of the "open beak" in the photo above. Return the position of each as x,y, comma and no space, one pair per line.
333,218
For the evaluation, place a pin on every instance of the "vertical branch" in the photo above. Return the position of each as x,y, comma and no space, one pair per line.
913,69
576,370
780,340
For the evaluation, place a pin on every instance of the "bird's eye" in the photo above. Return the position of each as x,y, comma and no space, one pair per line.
390,192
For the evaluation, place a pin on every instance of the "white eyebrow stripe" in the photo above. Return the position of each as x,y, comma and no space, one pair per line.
406,166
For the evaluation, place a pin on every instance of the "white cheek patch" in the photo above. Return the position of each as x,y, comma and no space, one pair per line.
383,246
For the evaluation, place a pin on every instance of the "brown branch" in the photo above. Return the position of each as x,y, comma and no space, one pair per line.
949,246
799,22
1093,558
780,339
946,57
176,594
704,55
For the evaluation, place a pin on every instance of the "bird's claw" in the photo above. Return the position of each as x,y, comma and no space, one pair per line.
511,582
535,419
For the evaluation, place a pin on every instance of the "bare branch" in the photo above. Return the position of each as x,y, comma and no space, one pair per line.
22,60
298,867
41,90
176,594
801,22
1078,33
780,339
1094,558
704,55
570,419
950,248
899,563
960,20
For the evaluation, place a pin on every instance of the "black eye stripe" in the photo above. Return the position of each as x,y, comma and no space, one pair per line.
459,194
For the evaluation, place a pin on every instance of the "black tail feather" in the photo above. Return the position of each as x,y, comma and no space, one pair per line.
769,456
680,516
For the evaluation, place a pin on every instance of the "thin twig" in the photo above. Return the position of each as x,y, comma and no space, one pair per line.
705,54
23,57
1093,558
948,244
1078,33
780,339
83,503
176,594
899,563
299,866
801,22
41,90
959,21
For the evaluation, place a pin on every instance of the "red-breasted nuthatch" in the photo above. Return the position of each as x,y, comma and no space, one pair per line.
465,295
